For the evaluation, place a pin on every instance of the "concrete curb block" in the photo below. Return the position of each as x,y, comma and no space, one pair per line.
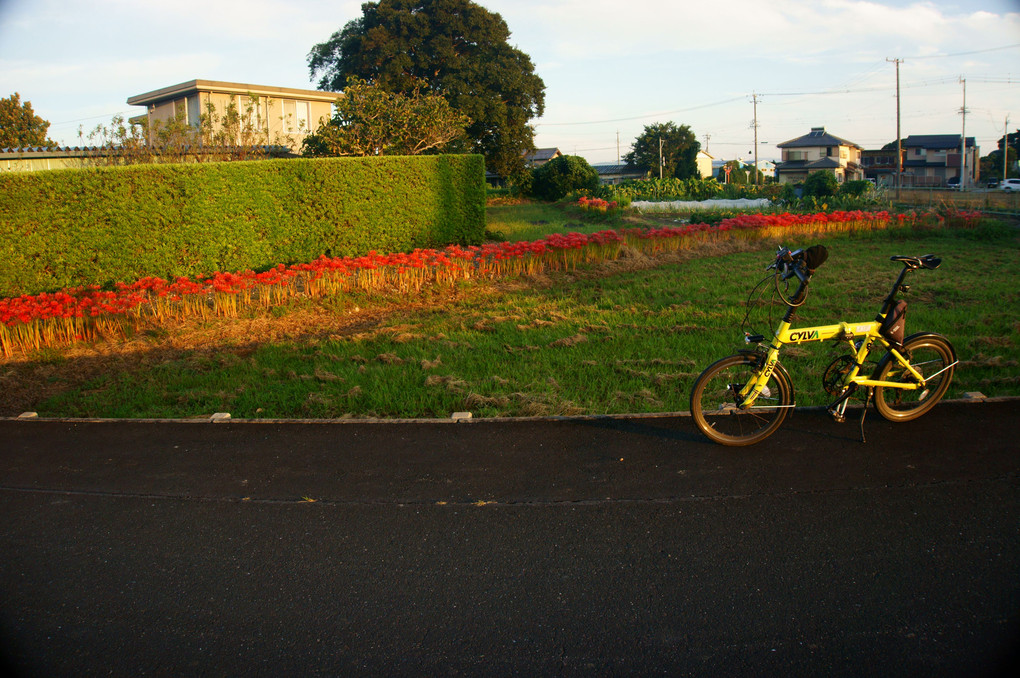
455,418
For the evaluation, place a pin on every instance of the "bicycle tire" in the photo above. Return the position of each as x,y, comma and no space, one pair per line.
929,354
713,405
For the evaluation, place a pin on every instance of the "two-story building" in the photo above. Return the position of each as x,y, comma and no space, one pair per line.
932,160
287,114
819,151
880,166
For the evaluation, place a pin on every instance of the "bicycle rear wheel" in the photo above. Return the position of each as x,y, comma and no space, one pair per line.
714,402
931,355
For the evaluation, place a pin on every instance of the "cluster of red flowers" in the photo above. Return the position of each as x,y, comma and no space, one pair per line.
596,204
85,313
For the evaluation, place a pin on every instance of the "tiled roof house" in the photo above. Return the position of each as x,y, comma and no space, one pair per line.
541,156
817,151
934,159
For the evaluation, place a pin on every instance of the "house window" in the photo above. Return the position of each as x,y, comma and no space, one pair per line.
792,156
828,151
295,117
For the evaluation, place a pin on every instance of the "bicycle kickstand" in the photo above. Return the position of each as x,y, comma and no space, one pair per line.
864,412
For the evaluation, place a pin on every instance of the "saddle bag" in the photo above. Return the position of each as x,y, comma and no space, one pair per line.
895,324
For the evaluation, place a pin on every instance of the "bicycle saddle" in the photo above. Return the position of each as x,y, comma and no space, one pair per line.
929,261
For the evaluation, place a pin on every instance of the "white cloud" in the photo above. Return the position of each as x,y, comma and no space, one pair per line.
788,29
600,59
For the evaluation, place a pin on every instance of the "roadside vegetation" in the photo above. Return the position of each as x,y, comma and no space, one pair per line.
624,335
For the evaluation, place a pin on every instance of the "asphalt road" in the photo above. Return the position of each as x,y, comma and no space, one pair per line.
536,548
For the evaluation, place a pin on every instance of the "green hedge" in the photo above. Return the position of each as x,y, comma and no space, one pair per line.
67,228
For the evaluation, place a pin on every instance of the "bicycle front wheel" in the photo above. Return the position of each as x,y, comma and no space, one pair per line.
931,355
715,408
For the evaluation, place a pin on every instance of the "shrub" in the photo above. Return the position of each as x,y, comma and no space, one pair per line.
558,177
97,226
855,189
820,185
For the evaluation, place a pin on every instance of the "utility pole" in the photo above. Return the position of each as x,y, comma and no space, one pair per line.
754,124
660,157
899,137
1005,147
963,141
617,147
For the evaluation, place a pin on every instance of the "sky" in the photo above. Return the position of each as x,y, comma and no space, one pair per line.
611,67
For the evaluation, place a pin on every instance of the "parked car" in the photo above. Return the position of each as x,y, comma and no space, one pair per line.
953,182
992,183
1010,185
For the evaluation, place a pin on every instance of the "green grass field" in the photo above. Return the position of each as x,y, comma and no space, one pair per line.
624,337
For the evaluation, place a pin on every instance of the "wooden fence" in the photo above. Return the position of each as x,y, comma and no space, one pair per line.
991,201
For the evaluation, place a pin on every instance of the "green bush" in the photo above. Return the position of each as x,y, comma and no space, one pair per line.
562,175
68,228
820,185
855,189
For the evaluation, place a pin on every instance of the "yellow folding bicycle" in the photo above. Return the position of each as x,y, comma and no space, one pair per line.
742,399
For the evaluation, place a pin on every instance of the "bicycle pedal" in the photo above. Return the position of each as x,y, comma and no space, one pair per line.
839,418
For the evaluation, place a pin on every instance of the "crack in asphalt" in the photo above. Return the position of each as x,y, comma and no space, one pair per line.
1008,477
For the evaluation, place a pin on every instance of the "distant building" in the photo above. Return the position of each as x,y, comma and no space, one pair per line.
931,160
704,162
880,166
288,114
614,173
819,151
541,156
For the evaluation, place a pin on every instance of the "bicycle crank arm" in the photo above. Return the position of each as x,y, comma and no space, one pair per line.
838,407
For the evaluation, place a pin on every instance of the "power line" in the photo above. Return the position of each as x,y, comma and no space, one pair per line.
640,117
956,54
93,117
1006,80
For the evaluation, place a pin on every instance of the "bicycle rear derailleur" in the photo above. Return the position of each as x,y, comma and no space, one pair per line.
832,380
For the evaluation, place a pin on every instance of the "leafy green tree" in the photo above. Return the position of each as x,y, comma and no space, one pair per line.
737,173
821,184
558,177
460,51
679,151
20,126
991,164
372,121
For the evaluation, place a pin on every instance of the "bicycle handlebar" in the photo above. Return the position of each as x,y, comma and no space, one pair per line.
800,263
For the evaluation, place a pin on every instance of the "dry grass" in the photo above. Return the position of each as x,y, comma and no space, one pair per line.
28,380
360,320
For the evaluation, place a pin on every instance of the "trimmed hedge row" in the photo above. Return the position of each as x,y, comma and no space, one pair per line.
67,228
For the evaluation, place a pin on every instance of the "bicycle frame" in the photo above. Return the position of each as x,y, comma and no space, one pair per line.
862,338
867,332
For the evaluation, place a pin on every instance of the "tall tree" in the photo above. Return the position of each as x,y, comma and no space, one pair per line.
1013,139
20,126
460,51
371,121
679,151
1008,152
